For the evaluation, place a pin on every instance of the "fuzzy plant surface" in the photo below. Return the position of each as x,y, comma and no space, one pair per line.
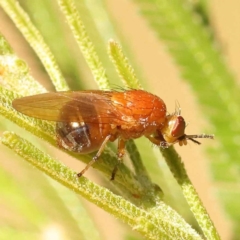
75,39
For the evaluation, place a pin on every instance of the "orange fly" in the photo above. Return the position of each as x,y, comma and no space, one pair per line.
87,120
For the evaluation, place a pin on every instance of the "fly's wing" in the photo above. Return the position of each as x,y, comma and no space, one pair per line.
71,106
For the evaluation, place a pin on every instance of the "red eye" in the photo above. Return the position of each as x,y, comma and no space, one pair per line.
179,127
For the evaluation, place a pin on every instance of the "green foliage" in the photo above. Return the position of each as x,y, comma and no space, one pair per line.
139,203
191,45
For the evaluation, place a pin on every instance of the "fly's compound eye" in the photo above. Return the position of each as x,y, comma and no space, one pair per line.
178,127
173,129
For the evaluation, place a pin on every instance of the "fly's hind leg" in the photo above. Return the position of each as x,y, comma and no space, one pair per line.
95,158
121,152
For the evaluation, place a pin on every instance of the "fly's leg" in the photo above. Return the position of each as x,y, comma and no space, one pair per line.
159,141
95,158
121,152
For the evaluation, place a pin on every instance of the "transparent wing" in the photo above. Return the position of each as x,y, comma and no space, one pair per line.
69,106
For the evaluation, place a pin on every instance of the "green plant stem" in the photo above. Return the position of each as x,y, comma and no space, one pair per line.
122,65
77,208
33,36
14,72
69,9
176,166
146,223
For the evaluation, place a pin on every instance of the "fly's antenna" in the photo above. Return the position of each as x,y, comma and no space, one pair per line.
193,137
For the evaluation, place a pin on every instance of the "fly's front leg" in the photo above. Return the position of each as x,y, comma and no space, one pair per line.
95,158
159,141
121,152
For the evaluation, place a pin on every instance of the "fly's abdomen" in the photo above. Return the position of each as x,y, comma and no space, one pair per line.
80,137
